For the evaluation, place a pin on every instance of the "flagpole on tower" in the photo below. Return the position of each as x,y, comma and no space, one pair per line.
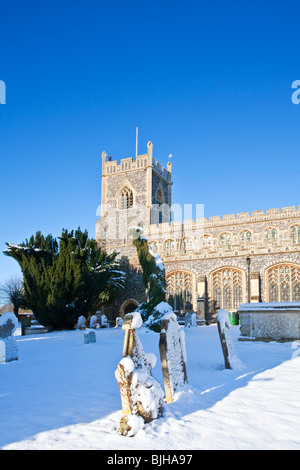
136,141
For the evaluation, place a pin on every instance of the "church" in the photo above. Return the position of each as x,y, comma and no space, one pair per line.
210,263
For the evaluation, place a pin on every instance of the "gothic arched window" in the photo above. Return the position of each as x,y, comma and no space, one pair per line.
225,239
180,290
126,200
159,197
169,247
283,283
295,234
227,288
271,234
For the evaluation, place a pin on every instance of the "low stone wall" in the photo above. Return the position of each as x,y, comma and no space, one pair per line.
274,321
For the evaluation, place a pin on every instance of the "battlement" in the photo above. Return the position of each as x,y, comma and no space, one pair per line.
226,220
142,161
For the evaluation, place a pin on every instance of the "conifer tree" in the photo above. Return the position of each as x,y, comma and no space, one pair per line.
67,278
154,280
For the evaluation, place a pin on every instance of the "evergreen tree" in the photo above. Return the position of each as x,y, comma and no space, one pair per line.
67,278
154,280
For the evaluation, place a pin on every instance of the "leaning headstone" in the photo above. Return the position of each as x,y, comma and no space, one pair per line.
141,393
172,354
89,337
8,344
230,357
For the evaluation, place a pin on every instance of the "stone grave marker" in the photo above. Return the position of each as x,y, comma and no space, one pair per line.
172,355
141,393
230,357
89,337
8,344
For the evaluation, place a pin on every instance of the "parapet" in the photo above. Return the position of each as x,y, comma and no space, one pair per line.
232,219
141,161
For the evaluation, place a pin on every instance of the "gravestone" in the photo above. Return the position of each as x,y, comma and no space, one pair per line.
89,337
25,323
141,393
187,320
172,355
93,321
103,321
8,344
81,322
230,357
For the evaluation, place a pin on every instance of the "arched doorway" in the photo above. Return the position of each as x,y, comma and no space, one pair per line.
128,306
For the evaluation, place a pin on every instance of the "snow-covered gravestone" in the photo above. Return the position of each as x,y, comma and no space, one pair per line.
230,357
103,321
81,323
89,337
172,354
8,344
141,394
93,321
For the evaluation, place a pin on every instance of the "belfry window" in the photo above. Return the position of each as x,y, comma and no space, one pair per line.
126,198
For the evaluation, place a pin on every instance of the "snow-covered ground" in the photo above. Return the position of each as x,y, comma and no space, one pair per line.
62,394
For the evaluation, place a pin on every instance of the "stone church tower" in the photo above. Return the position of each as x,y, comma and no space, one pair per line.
135,192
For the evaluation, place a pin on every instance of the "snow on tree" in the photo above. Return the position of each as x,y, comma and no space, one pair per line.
154,280
141,394
66,279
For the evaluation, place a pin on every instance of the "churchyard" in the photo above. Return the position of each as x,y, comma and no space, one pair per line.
62,393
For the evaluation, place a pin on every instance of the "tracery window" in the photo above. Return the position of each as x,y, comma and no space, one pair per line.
169,247
283,283
271,234
295,234
126,198
153,246
225,239
227,288
180,290
187,244
206,241
246,236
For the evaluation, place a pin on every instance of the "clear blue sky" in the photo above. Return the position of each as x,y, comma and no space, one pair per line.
209,82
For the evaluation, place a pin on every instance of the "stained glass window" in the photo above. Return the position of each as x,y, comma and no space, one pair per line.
284,283
227,288
181,284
